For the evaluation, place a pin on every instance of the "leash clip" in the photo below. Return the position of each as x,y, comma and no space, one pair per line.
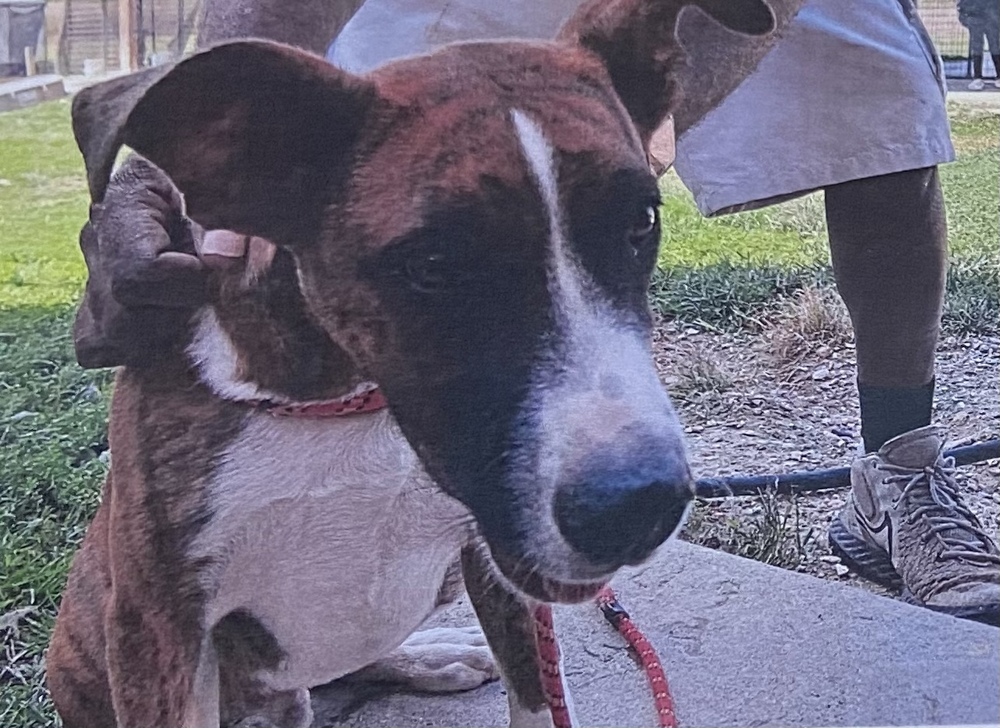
613,611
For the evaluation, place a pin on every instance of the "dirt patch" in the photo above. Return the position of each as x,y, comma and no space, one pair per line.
749,408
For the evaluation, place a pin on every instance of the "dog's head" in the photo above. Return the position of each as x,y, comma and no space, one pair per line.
476,228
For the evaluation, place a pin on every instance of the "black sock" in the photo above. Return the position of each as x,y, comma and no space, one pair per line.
977,66
890,411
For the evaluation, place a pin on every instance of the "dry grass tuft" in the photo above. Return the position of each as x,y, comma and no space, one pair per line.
770,531
700,374
803,322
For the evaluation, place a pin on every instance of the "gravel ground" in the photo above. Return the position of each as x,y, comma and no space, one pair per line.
749,407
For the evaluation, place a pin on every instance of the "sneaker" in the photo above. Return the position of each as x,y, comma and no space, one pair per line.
996,82
905,527
977,84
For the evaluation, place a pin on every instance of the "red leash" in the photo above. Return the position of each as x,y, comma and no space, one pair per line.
548,667
548,654
619,619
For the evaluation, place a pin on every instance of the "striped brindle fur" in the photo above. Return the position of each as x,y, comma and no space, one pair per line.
474,230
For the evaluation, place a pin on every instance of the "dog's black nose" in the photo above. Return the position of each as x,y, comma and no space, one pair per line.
614,517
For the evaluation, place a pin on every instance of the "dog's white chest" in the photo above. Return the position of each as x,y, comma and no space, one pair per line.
332,536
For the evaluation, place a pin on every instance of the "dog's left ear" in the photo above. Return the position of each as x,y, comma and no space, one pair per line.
253,133
637,43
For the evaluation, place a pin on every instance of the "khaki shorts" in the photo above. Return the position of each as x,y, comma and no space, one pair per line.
853,89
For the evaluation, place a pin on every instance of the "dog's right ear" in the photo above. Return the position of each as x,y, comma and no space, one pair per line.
636,41
253,133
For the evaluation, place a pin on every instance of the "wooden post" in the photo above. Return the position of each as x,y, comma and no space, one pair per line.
128,45
30,68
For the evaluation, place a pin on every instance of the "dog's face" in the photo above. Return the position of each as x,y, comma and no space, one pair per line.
476,228
498,287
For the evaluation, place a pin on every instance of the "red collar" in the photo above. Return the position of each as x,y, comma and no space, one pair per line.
369,400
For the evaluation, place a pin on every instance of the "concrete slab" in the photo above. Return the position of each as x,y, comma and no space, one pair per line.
76,83
745,644
981,99
20,93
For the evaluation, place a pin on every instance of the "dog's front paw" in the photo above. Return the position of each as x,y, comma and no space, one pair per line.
438,660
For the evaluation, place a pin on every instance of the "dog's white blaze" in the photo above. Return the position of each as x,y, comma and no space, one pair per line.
538,153
213,353
606,384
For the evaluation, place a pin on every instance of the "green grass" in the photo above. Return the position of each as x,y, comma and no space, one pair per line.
52,432
722,272
43,202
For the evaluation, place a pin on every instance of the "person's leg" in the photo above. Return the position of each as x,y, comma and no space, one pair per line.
976,48
977,65
904,524
993,40
802,123
888,241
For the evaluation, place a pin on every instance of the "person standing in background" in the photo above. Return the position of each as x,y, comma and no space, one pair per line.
982,18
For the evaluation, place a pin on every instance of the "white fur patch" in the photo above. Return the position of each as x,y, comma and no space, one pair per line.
218,362
328,525
203,708
213,353
538,153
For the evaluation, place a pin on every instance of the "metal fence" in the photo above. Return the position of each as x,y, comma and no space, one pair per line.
165,29
103,35
84,34
950,36
22,37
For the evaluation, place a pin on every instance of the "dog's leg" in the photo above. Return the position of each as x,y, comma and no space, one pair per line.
247,653
75,667
203,708
509,624
436,660
439,659
162,673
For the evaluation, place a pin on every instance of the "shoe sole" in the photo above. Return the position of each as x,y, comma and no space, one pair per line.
870,562
985,615
874,564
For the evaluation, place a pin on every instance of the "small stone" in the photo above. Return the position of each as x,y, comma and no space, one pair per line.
824,351
821,374
829,559
5,182
841,569
91,393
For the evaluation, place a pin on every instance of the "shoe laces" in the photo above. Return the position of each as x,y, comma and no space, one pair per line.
932,494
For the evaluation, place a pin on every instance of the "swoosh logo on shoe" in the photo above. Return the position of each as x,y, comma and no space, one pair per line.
884,525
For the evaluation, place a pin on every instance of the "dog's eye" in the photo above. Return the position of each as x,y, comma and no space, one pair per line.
429,273
644,222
